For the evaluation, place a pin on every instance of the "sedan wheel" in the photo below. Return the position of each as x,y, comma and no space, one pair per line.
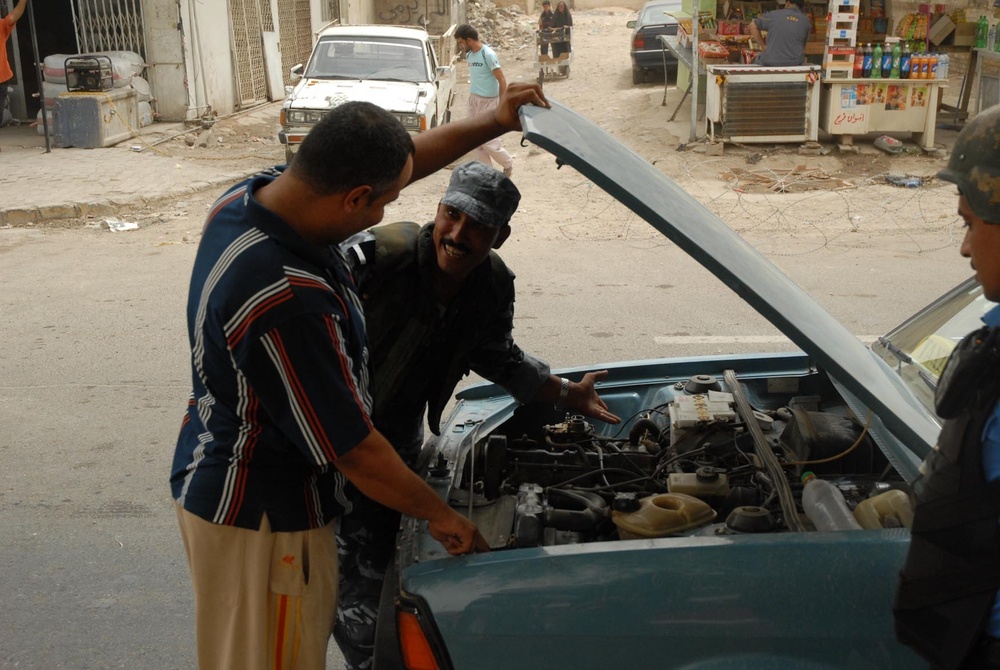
638,75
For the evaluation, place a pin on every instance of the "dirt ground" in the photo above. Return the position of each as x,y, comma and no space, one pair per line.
854,205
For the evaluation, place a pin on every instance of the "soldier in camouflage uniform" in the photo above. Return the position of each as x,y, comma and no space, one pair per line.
438,303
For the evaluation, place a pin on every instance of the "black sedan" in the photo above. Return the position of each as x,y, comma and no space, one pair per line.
647,52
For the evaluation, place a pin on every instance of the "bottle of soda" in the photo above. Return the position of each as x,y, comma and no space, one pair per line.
916,66
886,61
982,32
925,67
932,66
897,61
904,62
866,67
859,62
877,61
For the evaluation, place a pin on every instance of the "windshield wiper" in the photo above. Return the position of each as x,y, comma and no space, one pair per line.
903,357
895,351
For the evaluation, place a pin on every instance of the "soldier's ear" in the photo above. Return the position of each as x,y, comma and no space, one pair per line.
502,236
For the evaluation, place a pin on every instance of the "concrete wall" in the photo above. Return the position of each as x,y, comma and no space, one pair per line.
211,79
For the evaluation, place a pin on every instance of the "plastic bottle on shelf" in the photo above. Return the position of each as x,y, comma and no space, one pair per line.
943,62
982,32
859,62
917,66
866,69
932,67
886,60
897,61
904,61
991,38
877,61
825,506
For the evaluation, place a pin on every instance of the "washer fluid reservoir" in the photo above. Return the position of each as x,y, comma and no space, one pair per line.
662,515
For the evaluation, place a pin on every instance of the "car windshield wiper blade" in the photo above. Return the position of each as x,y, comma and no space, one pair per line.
895,351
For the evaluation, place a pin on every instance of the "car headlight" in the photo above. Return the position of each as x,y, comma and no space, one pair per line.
304,115
409,121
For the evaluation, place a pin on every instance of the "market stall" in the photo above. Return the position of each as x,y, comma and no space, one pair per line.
859,77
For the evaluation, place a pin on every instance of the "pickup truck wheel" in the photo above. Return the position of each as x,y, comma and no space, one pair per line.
564,70
289,154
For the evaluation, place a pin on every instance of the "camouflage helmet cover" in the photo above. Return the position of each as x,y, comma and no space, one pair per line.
974,164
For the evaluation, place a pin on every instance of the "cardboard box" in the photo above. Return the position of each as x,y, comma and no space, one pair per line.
941,29
965,34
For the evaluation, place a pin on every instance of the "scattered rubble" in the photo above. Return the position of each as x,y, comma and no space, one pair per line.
503,28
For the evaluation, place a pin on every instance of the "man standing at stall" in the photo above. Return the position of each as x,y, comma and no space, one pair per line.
787,33
946,607
486,84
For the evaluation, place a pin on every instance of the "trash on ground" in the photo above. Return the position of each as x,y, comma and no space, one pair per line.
802,178
904,180
116,225
890,145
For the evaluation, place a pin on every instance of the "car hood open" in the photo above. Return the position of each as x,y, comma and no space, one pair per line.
398,96
630,179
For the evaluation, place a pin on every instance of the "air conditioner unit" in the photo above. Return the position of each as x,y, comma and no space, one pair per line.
752,103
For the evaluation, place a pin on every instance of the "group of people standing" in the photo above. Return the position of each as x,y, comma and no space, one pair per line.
551,20
317,347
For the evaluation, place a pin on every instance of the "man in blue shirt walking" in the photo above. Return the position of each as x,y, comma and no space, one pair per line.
486,84
947,607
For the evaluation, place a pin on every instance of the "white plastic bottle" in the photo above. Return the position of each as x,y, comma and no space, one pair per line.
825,506
943,62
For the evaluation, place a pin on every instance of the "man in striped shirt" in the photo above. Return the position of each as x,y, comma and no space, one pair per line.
280,411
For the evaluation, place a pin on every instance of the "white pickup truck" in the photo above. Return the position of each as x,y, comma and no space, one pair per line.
401,69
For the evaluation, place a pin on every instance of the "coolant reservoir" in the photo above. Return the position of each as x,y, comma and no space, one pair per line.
705,483
891,509
662,515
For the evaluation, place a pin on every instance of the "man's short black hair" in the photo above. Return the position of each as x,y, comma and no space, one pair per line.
466,32
354,144
798,3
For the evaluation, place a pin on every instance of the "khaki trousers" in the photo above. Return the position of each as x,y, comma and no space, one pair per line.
494,148
263,600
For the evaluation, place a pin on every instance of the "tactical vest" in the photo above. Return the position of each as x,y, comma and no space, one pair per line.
404,322
952,572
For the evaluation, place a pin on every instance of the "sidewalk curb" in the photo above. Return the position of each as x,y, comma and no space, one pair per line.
32,217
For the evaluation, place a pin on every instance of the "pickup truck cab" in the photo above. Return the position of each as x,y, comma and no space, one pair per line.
396,68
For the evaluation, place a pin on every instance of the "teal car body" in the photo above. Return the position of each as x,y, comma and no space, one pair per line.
569,584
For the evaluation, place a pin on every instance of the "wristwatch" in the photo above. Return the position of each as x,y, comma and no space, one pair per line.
563,393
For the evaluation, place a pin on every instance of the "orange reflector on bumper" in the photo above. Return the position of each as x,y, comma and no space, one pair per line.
417,654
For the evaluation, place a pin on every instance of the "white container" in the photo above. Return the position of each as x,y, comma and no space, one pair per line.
825,506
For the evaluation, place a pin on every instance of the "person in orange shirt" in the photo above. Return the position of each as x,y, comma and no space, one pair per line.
6,28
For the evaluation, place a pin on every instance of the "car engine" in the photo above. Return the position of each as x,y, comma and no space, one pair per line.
705,461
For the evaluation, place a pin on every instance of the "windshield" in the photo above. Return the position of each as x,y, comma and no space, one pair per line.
378,58
658,14
919,348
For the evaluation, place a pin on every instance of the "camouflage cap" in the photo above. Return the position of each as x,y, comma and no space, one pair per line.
482,193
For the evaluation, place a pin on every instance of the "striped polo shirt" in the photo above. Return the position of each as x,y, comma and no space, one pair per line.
280,372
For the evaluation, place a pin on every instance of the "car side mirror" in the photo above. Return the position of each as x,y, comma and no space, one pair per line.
631,24
296,72
444,72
